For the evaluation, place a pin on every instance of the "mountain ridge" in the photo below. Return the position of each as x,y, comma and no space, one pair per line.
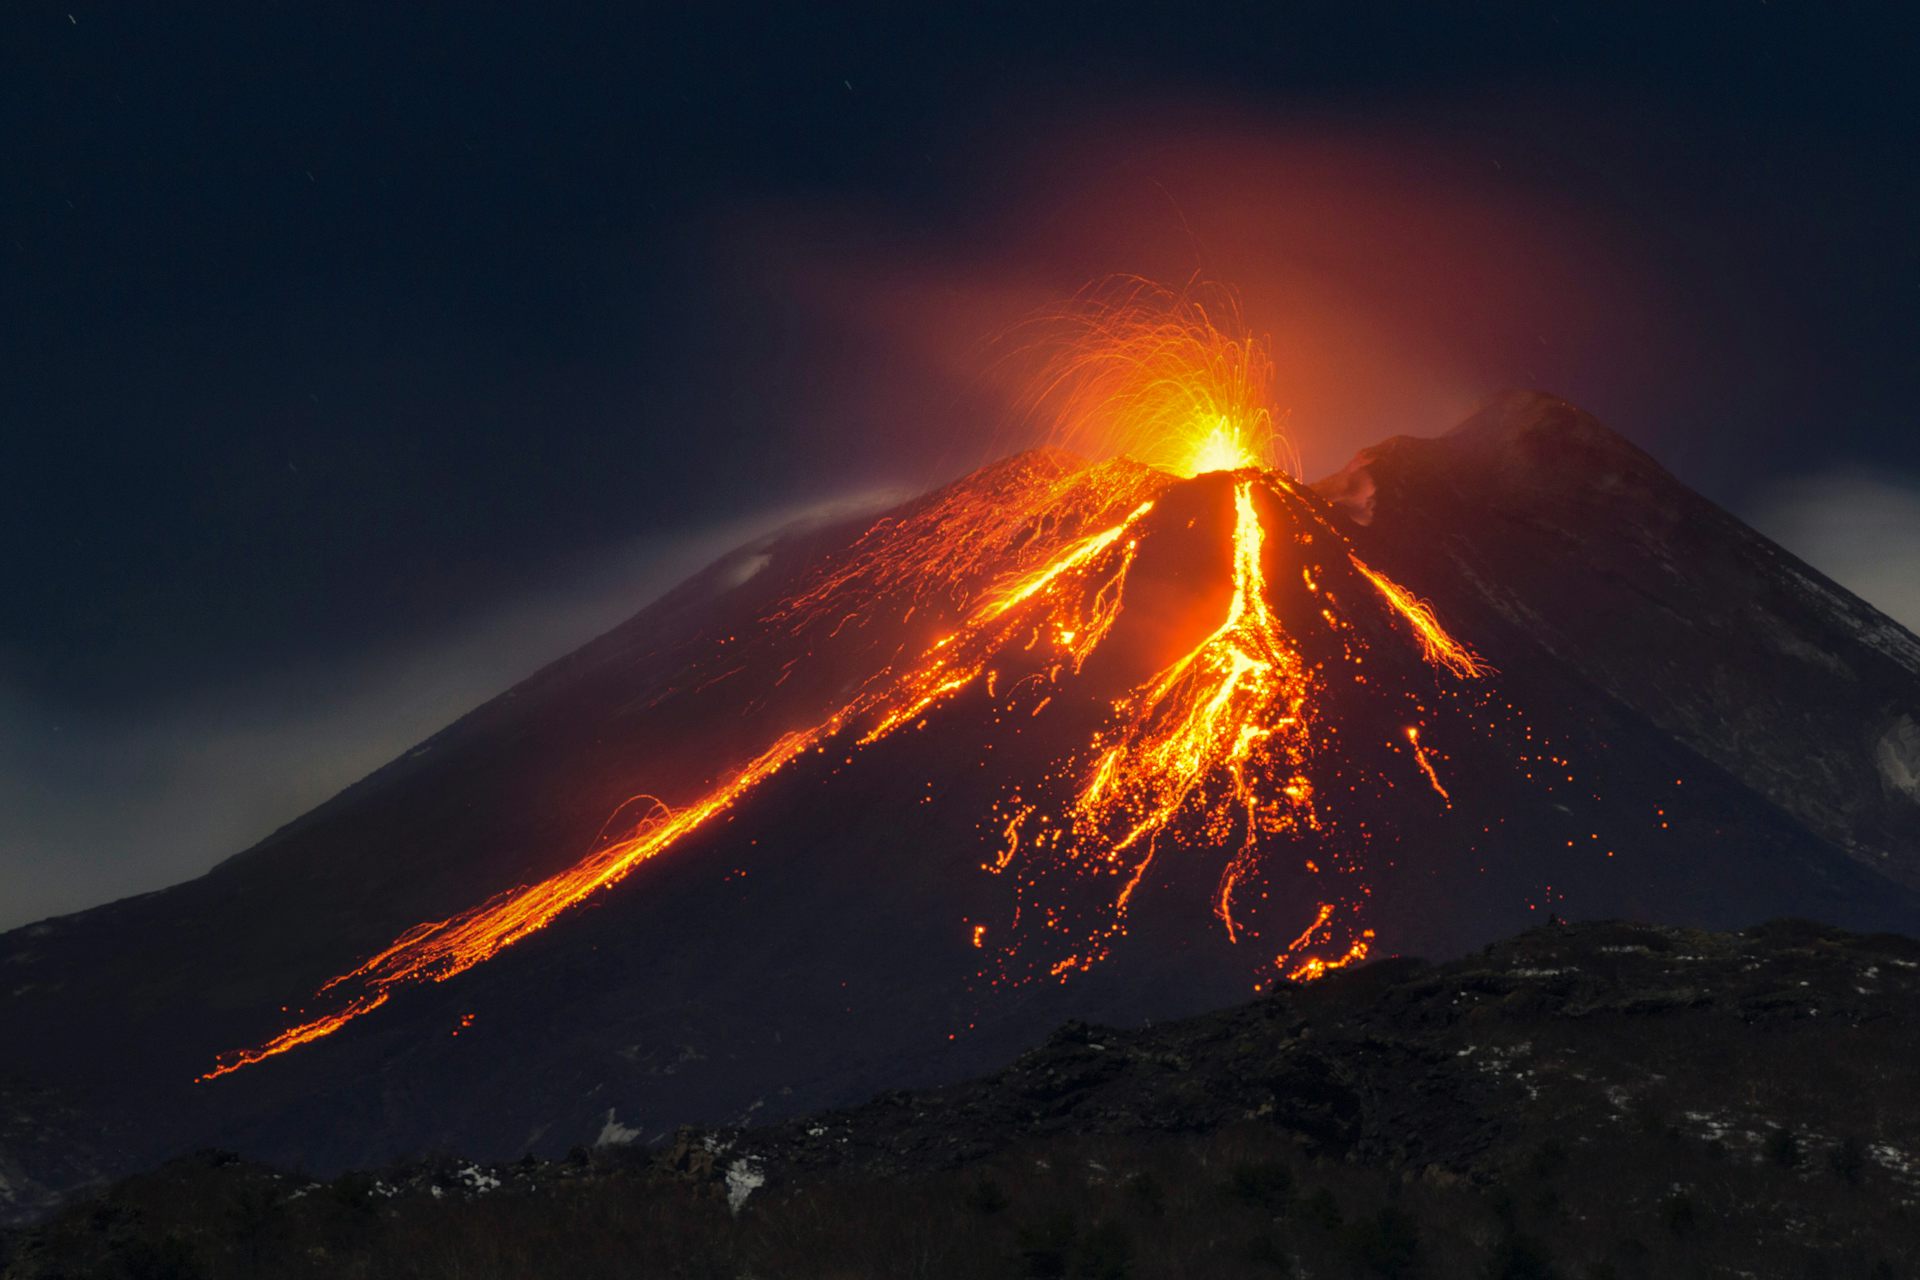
1603,1098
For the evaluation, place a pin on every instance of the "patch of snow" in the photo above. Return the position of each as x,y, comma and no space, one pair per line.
479,1179
1894,1159
1711,1127
1868,625
1896,642
746,569
1898,755
1500,1060
614,1134
744,1177
1795,647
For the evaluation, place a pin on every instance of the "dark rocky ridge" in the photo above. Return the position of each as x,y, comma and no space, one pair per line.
1571,1030
1605,1099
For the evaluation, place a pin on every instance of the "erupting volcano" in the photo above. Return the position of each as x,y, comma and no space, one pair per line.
1165,653
1116,729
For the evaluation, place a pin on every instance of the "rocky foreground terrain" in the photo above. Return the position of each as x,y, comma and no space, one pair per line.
1583,1100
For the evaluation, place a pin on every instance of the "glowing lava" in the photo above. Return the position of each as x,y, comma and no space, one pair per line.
1438,646
1221,734
438,950
1224,749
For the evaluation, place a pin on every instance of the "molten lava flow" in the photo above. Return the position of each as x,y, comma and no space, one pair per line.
1309,967
439,950
1229,748
295,1036
1425,761
1222,747
1222,734
968,538
1078,592
1439,647
1076,618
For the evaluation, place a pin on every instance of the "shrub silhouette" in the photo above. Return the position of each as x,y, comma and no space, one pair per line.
1387,1244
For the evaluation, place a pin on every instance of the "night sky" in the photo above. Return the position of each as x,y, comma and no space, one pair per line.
359,359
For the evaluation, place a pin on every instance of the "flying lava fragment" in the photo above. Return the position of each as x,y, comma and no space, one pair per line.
1225,750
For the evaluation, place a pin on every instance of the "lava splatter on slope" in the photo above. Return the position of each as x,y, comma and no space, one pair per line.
1253,749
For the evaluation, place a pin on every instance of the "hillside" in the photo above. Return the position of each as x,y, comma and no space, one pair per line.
1583,1100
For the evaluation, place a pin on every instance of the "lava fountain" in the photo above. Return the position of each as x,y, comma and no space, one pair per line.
1171,379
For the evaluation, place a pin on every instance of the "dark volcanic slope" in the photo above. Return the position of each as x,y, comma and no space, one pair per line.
1603,1099
1739,736
1549,525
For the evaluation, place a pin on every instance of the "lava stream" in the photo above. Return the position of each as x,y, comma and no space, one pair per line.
435,951
1222,733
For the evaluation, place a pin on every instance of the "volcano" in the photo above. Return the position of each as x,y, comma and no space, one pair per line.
877,804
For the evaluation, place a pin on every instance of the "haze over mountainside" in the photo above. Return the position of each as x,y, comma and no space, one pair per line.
1061,739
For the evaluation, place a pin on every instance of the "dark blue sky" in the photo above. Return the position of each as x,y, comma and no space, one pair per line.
329,328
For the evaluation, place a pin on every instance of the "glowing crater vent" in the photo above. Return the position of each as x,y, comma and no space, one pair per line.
1170,379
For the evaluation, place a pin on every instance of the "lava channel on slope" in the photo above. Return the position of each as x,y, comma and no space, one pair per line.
1219,677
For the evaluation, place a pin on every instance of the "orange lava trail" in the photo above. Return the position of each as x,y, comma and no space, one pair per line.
983,532
1199,723
1080,589
1439,647
294,1037
1309,967
1426,765
1220,747
1216,742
